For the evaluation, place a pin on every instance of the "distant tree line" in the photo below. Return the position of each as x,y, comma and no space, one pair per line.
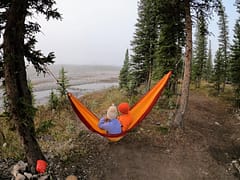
226,65
159,41
157,44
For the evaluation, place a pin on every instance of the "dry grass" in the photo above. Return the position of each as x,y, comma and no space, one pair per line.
100,101
208,89
57,129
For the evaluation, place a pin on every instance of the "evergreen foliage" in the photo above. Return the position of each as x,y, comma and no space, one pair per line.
170,37
32,55
53,100
223,40
19,30
199,6
144,43
200,52
63,83
218,77
124,75
209,64
235,59
158,41
30,86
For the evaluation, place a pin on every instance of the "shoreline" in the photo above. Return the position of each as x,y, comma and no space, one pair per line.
82,79
42,96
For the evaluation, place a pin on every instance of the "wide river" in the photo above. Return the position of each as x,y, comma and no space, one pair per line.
82,79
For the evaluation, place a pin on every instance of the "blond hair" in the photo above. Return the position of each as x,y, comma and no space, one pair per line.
112,112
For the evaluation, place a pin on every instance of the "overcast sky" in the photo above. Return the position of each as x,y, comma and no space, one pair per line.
213,27
91,32
99,32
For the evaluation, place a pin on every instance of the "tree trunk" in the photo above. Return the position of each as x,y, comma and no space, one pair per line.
179,118
149,78
18,94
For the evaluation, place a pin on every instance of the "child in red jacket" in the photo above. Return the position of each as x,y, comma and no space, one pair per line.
125,117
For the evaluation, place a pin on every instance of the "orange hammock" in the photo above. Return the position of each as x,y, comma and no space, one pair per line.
138,112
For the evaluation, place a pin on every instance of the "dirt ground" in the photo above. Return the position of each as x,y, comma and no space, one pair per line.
208,148
205,149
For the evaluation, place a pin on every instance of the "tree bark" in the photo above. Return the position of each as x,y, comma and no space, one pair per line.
179,118
18,93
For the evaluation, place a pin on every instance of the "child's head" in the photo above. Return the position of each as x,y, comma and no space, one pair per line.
112,112
123,108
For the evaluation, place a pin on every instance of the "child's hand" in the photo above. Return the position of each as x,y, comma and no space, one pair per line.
106,119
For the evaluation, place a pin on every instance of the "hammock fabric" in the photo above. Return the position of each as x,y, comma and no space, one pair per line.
138,112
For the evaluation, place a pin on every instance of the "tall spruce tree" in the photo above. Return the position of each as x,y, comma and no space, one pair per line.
19,45
218,70
196,5
158,40
235,58
223,40
170,41
200,51
179,117
124,73
209,64
144,43
63,81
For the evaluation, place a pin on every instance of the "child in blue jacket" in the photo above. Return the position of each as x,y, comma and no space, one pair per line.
110,123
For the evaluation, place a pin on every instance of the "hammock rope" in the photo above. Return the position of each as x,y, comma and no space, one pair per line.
51,74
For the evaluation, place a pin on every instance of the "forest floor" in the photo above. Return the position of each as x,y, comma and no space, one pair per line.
207,148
